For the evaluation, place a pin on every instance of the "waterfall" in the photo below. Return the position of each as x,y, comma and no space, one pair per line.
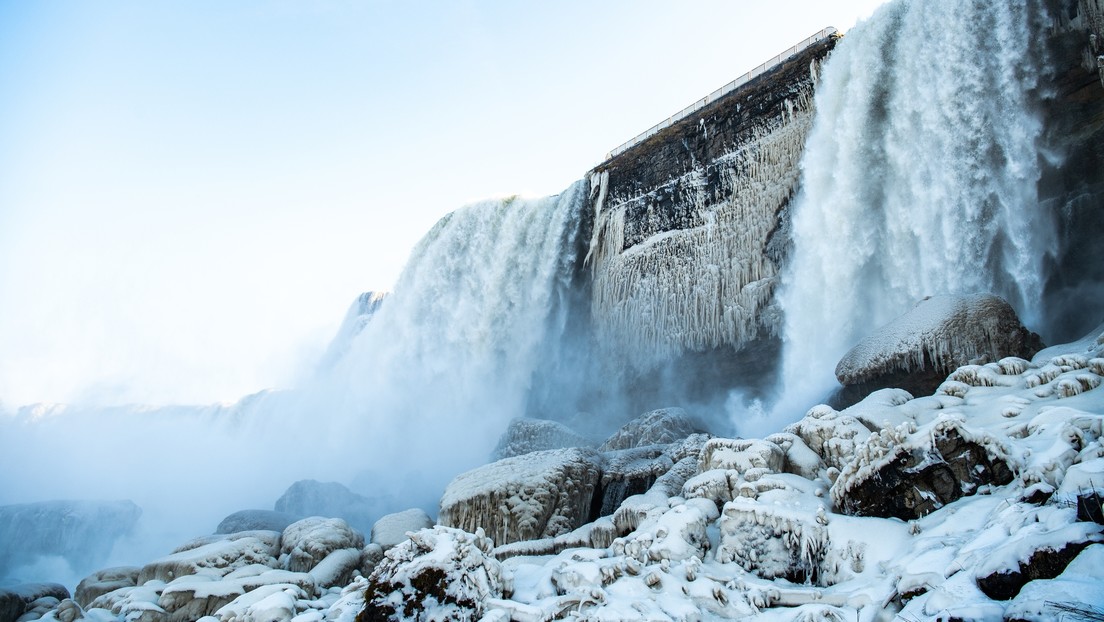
450,356
919,177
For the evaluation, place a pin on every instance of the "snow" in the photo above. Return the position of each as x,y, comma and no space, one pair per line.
941,333
391,529
308,542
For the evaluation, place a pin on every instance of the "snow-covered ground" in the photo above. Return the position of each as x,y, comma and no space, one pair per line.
843,516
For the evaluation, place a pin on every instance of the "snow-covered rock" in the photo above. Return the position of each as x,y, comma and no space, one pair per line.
254,520
18,600
525,436
658,427
392,528
537,495
307,542
330,499
940,334
438,574
216,556
82,532
908,472
831,434
103,581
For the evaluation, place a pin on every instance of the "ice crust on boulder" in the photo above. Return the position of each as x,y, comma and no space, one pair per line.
306,543
658,427
254,520
437,574
525,436
391,529
940,333
528,497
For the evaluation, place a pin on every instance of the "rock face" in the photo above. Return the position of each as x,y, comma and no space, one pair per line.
310,497
537,495
917,350
525,436
82,532
690,232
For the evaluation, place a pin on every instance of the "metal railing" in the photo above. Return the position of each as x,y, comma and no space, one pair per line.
721,92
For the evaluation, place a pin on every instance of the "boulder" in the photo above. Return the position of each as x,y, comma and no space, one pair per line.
82,532
538,495
254,520
439,574
218,557
307,542
941,333
391,529
525,436
330,499
658,427
17,600
103,581
908,473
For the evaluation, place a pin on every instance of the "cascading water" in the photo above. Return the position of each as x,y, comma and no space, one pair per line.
449,357
919,177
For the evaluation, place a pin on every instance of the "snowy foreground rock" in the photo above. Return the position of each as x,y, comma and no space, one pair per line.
980,502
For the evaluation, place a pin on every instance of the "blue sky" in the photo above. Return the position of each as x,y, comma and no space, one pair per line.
191,193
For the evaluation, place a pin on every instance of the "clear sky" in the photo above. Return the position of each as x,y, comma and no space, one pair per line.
193,192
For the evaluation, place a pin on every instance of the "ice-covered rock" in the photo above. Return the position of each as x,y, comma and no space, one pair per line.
17,600
525,436
940,334
330,499
629,472
831,434
307,542
254,520
82,532
217,556
103,581
438,574
537,495
907,473
658,427
1079,588
391,529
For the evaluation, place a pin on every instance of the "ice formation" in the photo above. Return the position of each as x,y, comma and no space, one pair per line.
940,333
919,177
709,285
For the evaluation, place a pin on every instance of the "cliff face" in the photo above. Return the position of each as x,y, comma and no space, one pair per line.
690,230
1072,185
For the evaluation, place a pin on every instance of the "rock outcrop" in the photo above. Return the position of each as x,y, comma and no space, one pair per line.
658,427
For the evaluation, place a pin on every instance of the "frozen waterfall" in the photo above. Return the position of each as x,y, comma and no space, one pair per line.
919,176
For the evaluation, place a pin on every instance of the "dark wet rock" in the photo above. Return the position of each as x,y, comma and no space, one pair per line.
1044,564
910,481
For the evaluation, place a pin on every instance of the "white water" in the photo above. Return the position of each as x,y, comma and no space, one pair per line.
919,177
